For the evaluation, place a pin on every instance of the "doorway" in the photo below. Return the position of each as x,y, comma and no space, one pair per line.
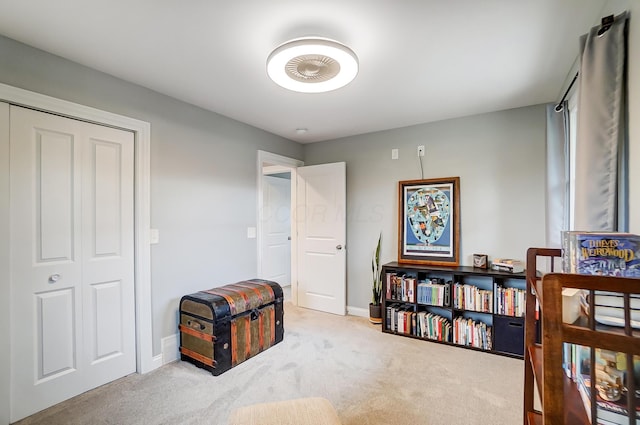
317,228
276,231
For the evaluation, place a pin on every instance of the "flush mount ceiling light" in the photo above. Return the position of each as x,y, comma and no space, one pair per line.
312,65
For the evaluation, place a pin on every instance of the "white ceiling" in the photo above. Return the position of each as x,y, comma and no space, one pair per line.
420,60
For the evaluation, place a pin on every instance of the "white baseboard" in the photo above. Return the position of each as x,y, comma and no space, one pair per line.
170,348
357,311
156,362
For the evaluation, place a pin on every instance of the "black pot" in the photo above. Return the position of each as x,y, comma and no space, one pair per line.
375,314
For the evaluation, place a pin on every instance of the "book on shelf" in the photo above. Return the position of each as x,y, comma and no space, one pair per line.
400,287
470,297
433,326
472,333
434,292
509,301
400,318
507,265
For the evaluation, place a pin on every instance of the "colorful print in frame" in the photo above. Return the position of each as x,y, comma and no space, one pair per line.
429,221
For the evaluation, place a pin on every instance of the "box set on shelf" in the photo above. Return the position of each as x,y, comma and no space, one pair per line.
463,306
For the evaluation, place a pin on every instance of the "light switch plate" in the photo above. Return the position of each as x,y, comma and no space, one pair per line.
154,236
251,232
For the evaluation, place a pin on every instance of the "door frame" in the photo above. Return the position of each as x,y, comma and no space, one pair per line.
291,164
145,361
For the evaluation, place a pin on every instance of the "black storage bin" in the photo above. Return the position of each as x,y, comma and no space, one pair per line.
508,335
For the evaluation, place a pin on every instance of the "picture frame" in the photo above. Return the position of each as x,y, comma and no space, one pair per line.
429,221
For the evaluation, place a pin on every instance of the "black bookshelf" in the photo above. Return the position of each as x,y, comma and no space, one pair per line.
408,313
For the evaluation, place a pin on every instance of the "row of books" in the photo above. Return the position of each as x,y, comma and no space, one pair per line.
434,292
400,287
399,318
432,326
510,301
472,333
470,297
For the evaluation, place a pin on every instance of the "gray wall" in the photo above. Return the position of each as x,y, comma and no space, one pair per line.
203,175
499,157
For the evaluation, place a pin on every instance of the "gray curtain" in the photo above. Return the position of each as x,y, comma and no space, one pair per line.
601,150
557,174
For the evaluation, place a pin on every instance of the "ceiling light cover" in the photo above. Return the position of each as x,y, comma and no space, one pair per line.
312,65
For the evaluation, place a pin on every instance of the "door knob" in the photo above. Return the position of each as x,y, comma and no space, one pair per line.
54,278
339,247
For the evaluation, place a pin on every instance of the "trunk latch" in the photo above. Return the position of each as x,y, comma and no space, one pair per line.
254,314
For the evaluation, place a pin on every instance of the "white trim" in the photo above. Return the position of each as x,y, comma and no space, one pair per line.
357,311
5,249
156,361
145,361
290,164
170,348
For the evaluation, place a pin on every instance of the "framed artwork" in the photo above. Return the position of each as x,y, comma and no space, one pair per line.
429,221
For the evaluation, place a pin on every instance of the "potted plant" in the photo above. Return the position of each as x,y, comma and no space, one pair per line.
375,313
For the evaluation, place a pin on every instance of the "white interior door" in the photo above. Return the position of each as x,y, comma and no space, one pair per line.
321,222
276,228
72,258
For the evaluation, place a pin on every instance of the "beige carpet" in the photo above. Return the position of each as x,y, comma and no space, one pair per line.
369,377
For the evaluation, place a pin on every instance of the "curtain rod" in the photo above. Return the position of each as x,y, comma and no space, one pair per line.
559,106
605,24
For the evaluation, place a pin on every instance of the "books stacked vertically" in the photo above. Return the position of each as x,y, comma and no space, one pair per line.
507,265
470,297
432,326
510,301
401,318
400,287
471,333
434,292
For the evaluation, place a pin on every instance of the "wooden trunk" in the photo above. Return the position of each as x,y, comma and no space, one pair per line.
222,327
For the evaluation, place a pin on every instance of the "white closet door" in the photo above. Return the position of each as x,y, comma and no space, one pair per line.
72,287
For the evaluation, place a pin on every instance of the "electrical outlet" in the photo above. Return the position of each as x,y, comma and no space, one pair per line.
421,150
394,153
